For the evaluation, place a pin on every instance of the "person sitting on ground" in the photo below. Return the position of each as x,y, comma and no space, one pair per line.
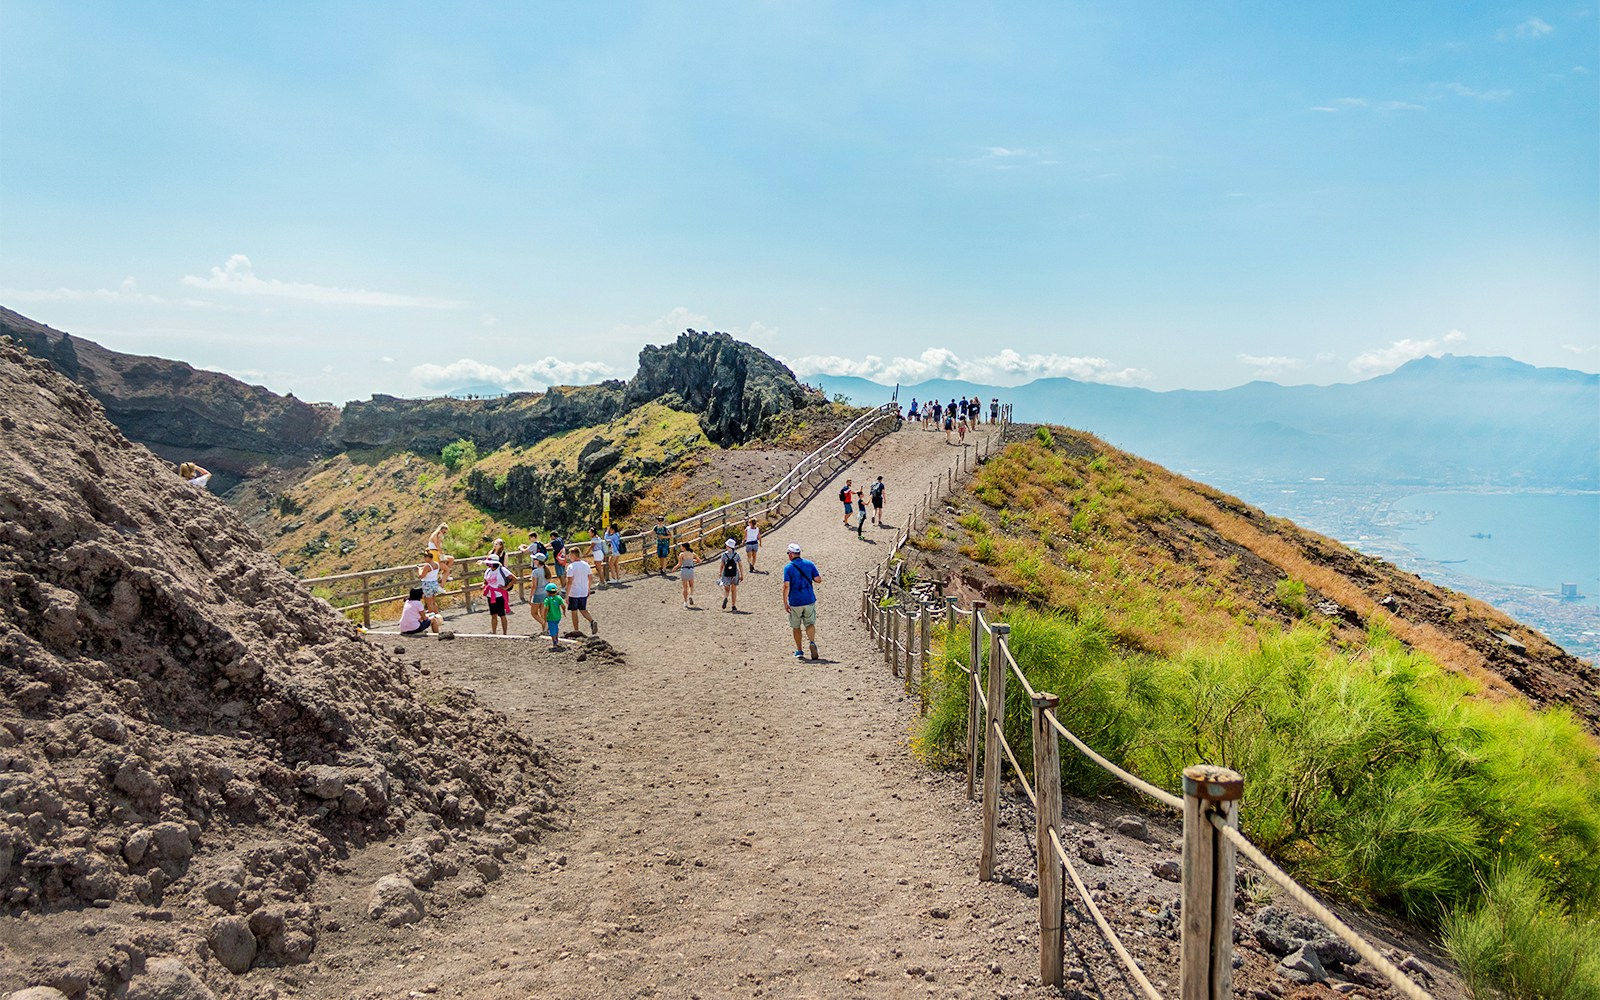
414,618
194,475
686,574
752,543
732,574
553,606
497,592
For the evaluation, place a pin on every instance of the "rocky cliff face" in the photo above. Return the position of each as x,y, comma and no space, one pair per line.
179,411
733,386
427,425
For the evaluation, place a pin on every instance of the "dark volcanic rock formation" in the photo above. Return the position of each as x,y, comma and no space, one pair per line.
183,727
733,386
182,412
426,425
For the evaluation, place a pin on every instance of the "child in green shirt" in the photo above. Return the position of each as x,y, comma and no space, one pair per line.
553,607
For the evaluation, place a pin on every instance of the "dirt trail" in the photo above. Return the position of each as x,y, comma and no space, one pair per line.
741,823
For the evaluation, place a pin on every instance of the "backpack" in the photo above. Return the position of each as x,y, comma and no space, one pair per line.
877,491
622,545
844,494
730,564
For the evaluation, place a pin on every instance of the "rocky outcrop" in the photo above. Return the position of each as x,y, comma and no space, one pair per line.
183,727
427,425
179,411
733,386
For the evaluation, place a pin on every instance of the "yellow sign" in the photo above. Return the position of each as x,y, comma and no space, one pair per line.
605,511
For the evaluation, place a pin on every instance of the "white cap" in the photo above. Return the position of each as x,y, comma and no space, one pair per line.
794,548
491,560
730,543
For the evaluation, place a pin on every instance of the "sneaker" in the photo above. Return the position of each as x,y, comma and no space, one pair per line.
799,655
594,628
813,651
724,603
736,609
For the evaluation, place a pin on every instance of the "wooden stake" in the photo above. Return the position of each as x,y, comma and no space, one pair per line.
1206,964
974,658
366,605
994,719
1047,786
927,657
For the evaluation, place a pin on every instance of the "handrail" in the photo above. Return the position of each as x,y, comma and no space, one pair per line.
1210,800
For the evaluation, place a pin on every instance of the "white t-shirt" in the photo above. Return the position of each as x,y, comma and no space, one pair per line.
752,533
578,579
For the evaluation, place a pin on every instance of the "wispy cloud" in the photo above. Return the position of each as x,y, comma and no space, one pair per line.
1580,348
1012,157
1339,104
1533,27
1267,366
680,318
1462,90
533,377
126,293
1387,359
1007,367
237,277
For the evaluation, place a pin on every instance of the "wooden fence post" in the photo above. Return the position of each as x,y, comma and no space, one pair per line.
1047,786
888,646
909,629
950,614
974,662
994,721
1206,967
366,605
926,657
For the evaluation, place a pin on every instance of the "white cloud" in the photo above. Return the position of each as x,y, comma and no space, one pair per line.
1339,104
239,278
533,377
1004,368
1269,365
1012,157
1387,359
1533,28
1579,349
666,328
126,293
1462,90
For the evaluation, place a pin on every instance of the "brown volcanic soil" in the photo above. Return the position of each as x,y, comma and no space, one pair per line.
188,744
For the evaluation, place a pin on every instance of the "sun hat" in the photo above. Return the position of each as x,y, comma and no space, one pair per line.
794,548
491,560
550,588
730,543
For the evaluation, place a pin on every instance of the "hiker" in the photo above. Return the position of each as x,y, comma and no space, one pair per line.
663,544
912,414
732,574
538,575
414,618
861,514
552,607
847,497
994,410
597,555
976,412
752,543
497,592
949,423
577,576
436,546
800,598
428,577
933,415
558,558
193,474
961,432
875,491
614,554
686,574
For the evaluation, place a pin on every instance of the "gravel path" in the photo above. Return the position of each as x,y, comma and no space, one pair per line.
741,823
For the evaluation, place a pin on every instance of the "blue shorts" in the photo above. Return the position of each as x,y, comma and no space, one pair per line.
848,507
554,628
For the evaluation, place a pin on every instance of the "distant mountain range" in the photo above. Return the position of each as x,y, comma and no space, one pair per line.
1436,421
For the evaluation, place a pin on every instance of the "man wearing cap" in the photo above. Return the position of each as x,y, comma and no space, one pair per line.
732,574
800,598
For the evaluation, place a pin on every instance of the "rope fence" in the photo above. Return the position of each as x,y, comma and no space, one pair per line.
900,620
364,590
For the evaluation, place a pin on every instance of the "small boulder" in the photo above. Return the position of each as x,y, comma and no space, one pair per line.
171,841
233,943
1131,826
1169,870
37,993
1302,966
1281,931
394,901
168,979
1090,852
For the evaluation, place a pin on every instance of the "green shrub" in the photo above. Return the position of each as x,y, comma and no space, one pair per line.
459,454
1045,437
1291,597
1521,940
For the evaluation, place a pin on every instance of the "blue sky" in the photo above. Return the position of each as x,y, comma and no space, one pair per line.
343,198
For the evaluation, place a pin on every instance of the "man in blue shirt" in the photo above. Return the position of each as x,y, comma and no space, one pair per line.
800,598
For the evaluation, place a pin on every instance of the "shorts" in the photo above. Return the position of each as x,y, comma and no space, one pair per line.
561,572
497,606
848,507
419,629
554,629
661,550
751,546
578,603
877,503
801,615
431,588
730,581
686,573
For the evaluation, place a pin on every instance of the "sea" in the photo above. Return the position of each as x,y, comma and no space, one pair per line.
1535,555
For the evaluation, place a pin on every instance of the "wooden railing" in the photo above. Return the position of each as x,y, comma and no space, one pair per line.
901,625
362,590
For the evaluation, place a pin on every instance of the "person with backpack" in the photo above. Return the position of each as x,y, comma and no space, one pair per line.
663,544
732,574
994,410
800,598
847,497
875,491
497,592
